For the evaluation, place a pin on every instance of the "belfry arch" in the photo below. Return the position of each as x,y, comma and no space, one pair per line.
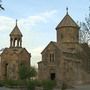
16,37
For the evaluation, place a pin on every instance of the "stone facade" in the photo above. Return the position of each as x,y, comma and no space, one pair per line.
12,57
62,60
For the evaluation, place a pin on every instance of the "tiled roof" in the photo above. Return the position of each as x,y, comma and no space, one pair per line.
67,21
53,43
16,31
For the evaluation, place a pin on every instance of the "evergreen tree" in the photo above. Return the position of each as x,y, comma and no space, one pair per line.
26,73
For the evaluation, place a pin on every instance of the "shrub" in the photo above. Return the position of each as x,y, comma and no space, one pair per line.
48,84
23,71
26,73
1,83
31,85
12,83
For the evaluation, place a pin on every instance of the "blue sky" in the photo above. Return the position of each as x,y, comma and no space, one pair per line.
37,20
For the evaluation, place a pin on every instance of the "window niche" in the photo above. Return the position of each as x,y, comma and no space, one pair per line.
61,36
6,70
52,57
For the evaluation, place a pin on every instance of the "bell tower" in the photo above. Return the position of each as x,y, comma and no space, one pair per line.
16,37
67,31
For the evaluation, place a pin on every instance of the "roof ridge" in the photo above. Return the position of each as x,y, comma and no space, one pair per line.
16,31
67,21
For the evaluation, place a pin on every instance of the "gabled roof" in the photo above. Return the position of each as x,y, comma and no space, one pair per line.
53,43
16,31
67,21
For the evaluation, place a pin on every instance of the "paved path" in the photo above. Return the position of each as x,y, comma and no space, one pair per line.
3,88
82,87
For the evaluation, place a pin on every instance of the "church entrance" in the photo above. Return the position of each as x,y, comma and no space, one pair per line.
52,76
6,70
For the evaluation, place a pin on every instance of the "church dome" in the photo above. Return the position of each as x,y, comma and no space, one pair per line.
67,21
16,31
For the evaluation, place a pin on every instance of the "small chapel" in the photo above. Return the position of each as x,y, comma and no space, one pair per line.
14,56
66,60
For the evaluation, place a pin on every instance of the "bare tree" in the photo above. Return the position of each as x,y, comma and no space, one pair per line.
84,32
1,7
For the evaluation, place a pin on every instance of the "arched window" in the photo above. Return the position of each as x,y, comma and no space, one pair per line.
15,42
52,57
61,36
6,70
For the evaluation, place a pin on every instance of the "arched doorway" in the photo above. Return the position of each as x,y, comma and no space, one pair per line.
52,76
6,70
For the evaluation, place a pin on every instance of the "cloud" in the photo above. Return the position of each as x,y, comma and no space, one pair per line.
36,55
37,51
40,18
6,23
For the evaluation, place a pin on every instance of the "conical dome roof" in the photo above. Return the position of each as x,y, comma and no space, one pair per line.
16,31
67,21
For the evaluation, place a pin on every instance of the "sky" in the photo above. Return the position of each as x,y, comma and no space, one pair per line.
37,20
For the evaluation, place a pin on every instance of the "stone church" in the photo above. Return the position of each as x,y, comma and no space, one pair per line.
66,60
14,56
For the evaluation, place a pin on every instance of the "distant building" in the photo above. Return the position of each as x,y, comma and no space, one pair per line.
14,56
66,59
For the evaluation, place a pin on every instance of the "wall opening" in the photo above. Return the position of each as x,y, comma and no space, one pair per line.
52,76
6,70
